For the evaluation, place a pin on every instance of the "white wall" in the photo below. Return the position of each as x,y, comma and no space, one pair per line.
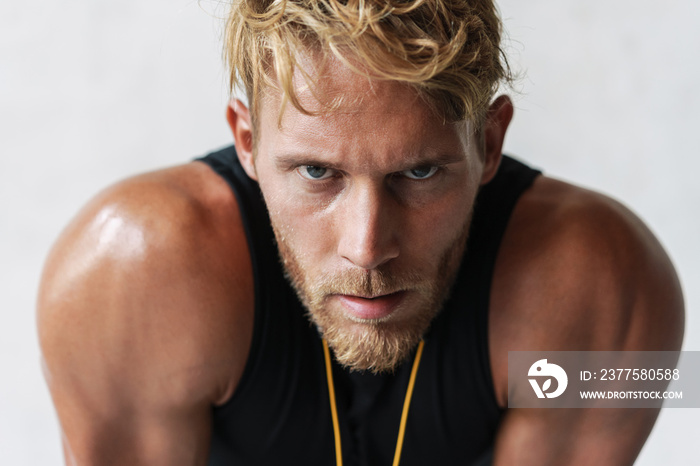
92,91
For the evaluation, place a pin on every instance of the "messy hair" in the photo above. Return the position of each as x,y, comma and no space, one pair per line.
447,50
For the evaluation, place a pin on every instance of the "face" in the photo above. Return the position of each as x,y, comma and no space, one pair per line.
370,205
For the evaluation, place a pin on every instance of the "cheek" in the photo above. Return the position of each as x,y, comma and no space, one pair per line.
427,233
435,226
306,233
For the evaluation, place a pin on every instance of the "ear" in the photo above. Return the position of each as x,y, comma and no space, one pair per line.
497,120
239,120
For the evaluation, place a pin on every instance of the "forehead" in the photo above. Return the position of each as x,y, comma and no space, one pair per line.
351,109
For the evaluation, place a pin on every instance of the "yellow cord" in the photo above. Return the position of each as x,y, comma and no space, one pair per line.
404,414
334,410
407,403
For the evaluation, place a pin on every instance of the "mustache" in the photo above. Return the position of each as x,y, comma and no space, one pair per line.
368,283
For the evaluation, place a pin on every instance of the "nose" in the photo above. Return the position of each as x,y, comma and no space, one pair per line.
369,228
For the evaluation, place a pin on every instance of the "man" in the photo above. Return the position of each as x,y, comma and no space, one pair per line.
369,161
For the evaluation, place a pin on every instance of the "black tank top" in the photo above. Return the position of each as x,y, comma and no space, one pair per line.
280,412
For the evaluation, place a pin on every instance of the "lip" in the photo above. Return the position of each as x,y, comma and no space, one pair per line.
377,308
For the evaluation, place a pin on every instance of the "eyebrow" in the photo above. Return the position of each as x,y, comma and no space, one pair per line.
440,158
293,160
289,161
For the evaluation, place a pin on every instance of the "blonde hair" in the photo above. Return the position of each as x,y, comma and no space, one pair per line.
448,50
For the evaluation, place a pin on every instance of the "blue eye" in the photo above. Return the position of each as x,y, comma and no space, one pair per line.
311,172
420,173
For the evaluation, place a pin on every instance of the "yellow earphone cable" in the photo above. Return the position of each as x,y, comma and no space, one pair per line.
407,403
404,414
334,410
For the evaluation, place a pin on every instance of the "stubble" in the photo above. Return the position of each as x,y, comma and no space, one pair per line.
378,345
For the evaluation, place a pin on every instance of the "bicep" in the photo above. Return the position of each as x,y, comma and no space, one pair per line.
604,289
97,430
572,436
115,405
121,349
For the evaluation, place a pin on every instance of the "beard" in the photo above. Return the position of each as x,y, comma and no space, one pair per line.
377,345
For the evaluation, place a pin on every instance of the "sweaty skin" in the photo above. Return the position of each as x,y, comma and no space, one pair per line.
145,308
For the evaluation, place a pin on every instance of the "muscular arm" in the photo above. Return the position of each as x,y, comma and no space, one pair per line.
578,272
145,319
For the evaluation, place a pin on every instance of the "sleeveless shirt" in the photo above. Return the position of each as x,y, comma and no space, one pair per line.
280,411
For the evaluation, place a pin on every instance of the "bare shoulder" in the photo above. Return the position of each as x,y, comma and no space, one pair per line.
579,271
146,306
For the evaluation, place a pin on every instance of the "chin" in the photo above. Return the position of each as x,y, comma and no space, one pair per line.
379,347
